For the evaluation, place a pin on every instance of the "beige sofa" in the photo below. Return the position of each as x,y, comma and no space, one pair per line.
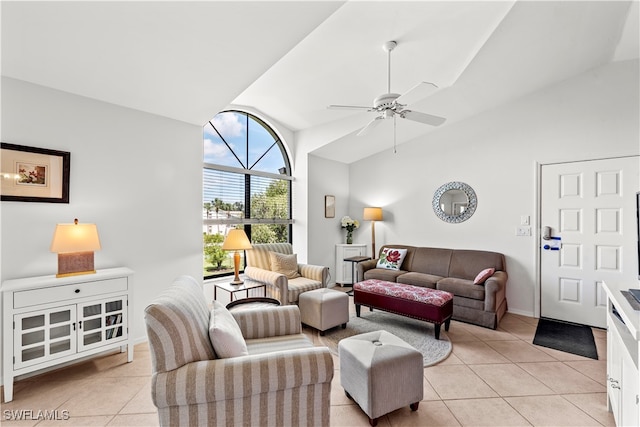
283,379
452,270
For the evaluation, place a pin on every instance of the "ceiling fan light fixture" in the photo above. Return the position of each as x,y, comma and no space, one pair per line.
390,104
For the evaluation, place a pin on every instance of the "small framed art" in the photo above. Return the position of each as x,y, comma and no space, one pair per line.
329,206
31,174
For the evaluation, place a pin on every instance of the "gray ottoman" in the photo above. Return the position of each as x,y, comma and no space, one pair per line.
381,373
324,308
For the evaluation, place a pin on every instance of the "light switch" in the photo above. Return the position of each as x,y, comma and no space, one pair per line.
524,219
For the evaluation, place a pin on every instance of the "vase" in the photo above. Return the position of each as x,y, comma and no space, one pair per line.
349,237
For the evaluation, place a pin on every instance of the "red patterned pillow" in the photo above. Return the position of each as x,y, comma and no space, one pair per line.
483,275
391,259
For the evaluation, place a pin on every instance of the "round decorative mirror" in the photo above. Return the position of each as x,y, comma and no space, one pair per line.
454,202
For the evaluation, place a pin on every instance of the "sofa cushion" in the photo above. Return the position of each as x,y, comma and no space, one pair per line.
419,279
461,287
383,274
431,261
225,334
465,264
299,285
391,259
483,276
284,264
278,343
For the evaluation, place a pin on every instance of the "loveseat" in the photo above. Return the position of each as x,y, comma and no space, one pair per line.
453,270
222,368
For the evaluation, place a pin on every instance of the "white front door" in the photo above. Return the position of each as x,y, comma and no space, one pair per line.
590,206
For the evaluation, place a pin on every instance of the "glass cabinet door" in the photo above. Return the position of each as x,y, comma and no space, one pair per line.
102,322
44,335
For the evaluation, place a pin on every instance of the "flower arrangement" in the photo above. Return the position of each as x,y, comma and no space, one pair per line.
350,225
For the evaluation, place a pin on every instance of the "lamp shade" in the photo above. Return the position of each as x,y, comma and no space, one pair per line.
372,214
69,238
236,240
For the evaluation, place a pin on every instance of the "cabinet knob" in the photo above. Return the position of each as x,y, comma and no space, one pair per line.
77,291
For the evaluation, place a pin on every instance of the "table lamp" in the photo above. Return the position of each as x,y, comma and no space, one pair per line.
372,214
237,241
74,244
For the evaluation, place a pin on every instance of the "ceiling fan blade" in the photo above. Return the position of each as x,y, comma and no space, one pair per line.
373,123
416,93
348,107
422,117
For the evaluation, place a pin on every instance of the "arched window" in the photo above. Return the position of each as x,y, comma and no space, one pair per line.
246,184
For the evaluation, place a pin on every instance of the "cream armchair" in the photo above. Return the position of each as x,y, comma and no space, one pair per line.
279,286
281,378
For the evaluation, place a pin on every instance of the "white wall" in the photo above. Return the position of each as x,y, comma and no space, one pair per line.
593,115
136,175
326,178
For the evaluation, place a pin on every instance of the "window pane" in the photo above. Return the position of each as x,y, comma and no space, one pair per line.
217,261
269,198
215,150
223,194
231,128
271,162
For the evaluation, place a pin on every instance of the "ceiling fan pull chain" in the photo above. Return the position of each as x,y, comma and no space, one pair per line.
394,134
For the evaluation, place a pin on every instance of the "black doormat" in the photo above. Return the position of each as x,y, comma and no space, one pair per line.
567,337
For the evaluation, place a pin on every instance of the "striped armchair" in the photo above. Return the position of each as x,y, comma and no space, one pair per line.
284,380
278,286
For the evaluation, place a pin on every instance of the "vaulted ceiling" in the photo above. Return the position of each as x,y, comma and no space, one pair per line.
290,60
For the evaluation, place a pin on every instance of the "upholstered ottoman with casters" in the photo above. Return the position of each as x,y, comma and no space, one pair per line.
324,308
381,373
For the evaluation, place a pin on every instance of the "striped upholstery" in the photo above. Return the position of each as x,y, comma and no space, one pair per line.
284,381
178,326
279,287
269,321
258,256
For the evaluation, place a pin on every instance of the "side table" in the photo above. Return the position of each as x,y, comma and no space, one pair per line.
354,260
232,289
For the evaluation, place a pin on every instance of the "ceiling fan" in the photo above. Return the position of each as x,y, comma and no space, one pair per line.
390,104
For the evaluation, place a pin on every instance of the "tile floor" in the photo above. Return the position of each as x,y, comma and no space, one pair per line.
492,378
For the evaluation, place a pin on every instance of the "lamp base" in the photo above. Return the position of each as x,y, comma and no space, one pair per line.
237,282
74,264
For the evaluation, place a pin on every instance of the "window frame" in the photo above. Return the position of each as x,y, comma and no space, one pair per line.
284,173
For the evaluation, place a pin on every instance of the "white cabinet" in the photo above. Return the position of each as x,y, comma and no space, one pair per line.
344,269
623,344
48,321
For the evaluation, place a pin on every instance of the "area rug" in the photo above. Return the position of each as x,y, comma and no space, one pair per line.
567,337
415,332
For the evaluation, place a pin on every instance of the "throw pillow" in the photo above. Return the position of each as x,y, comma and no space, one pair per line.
225,334
483,276
391,259
284,264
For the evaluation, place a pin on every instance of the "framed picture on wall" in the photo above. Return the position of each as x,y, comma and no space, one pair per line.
329,206
31,174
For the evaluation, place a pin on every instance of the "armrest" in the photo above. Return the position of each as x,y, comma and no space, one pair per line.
269,321
315,272
364,266
494,290
223,379
276,282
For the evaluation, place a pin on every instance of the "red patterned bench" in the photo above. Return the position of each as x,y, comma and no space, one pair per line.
430,305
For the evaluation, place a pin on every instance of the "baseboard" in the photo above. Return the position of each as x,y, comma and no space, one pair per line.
521,312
